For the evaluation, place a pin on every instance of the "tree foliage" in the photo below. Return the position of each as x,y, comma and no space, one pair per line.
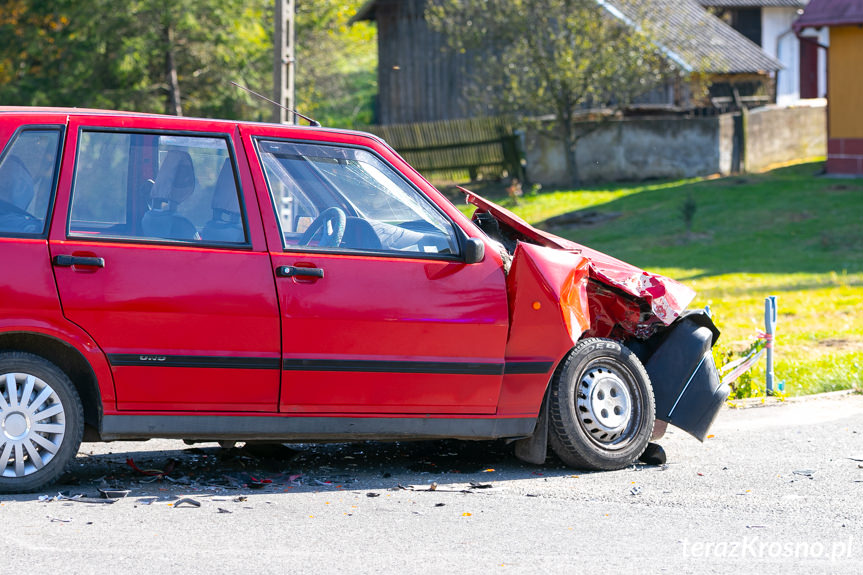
179,56
336,63
552,56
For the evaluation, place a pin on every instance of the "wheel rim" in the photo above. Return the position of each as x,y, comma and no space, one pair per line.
32,424
607,406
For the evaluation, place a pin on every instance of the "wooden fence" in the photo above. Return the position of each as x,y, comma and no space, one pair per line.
458,150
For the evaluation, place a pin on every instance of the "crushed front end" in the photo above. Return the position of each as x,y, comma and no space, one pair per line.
600,296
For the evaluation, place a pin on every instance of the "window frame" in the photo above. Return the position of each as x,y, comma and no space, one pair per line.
247,245
458,234
49,212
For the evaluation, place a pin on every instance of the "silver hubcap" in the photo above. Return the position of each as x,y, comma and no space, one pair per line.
604,404
32,424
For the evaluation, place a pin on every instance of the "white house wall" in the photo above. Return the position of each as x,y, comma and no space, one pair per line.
779,41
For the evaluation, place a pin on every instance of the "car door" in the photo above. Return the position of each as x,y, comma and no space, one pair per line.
380,312
154,256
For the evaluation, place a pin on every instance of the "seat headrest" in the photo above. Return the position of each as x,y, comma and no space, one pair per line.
176,179
16,183
225,194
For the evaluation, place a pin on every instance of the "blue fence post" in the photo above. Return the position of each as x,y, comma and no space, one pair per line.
770,317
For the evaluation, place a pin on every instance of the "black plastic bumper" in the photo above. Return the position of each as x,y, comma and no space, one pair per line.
685,381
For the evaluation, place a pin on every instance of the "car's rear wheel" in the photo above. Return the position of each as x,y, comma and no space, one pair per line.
41,422
601,407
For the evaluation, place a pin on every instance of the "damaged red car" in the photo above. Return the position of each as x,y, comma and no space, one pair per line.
216,280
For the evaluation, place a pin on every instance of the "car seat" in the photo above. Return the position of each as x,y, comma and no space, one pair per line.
227,222
174,183
360,235
16,192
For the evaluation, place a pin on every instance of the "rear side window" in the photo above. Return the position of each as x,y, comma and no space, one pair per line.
158,187
27,175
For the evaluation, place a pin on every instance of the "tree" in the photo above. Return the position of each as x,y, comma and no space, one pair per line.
179,56
170,56
336,63
561,56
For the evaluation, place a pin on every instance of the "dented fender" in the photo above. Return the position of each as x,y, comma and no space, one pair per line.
560,291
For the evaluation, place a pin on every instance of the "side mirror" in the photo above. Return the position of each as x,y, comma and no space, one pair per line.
474,251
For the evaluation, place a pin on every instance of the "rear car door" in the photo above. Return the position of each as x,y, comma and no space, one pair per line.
154,256
380,312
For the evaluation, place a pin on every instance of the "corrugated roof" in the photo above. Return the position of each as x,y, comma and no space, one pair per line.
687,33
830,13
693,38
753,3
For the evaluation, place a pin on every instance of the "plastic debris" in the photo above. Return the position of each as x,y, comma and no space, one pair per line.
654,454
113,493
186,501
371,494
255,483
158,473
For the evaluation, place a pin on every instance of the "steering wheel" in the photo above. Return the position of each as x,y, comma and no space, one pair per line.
331,222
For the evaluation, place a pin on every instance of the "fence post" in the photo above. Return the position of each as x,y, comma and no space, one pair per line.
770,317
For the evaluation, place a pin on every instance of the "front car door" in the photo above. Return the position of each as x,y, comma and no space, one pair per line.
380,312
154,257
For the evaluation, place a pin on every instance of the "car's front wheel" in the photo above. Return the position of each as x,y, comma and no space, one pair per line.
601,407
41,422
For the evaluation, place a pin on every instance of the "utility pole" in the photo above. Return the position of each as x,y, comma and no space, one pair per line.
284,60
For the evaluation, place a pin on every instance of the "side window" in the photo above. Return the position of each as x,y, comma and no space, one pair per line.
347,198
27,172
157,187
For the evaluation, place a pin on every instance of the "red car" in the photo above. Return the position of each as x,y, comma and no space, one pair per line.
227,281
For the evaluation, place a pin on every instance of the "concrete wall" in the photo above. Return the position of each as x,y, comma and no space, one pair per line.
677,147
633,149
775,135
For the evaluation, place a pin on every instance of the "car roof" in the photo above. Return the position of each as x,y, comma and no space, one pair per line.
43,110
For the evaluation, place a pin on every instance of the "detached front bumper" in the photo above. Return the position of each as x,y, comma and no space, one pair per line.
686,383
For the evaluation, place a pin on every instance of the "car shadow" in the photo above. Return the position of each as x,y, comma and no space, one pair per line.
206,469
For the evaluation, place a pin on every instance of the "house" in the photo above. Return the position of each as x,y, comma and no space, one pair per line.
419,81
844,19
768,24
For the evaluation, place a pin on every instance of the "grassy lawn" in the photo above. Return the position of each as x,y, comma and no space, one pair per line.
789,232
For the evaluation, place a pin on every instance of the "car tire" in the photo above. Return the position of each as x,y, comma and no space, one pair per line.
41,422
601,407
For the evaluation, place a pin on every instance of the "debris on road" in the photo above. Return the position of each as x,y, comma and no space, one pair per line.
113,493
654,454
186,501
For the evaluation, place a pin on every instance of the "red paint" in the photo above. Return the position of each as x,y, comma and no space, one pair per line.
157,299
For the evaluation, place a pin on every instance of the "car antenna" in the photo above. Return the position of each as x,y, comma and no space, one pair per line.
313,123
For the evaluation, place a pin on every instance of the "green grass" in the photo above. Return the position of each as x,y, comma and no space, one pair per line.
790,232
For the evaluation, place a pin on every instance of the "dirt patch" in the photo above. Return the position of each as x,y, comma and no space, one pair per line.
578,219
800,216
691,238
841,344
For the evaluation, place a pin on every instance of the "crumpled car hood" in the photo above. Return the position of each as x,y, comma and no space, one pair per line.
667,298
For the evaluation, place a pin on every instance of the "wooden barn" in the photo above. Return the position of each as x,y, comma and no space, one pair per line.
844,18
420,81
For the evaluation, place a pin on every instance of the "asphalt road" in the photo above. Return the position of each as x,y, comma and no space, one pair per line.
776,489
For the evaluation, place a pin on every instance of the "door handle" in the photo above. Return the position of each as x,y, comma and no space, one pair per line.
65,261
294,271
